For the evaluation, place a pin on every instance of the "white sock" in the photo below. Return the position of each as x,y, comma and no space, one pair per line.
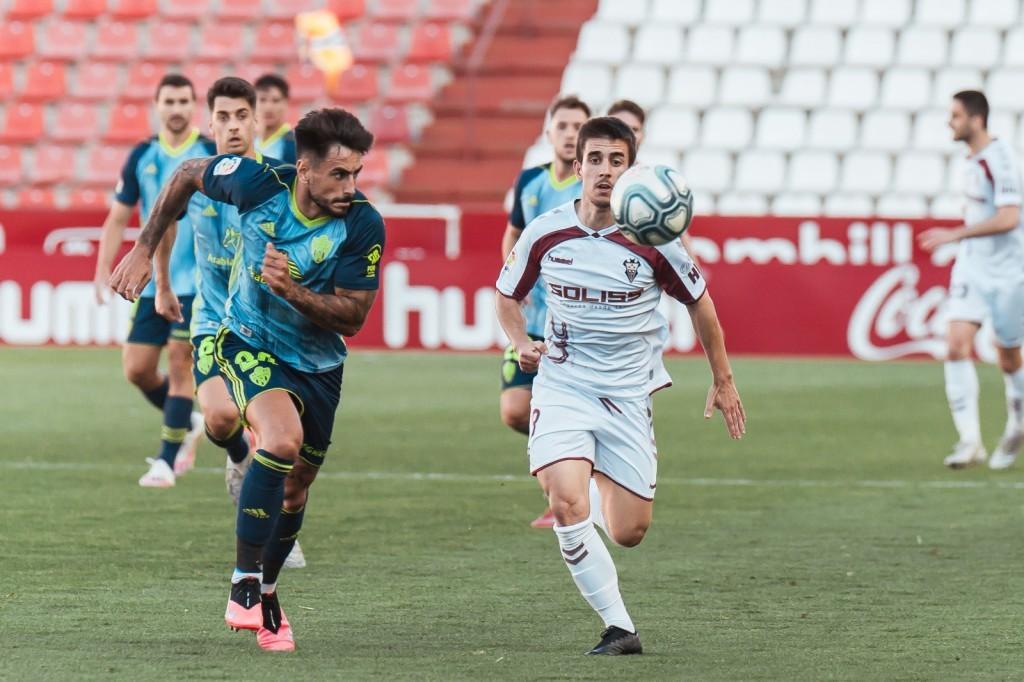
593,571
596,513
962,392
1014,399
268,588
239,576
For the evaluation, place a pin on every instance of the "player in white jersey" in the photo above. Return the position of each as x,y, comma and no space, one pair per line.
591,442
987,282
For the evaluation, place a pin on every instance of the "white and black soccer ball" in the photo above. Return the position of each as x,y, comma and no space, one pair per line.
652,205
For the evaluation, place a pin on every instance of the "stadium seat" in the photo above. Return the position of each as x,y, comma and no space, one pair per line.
591,82
430,43
116,41
955,173
728,12
23,123
449,10
52,164
167,42
761,46
95,81
142,80
943,13
736,203
239,10
390,124
633,13
84,9
76,123
128,123
376,169
853,87
710,45
727,128
815,46
748,86
672,128
222,42
658,44
657,156
43,81
953,80
760,171
796,204
10,165
6,77
274,41
785,13
132,9
376,42
869,46
812,171
400,11
781,129
947,206
410,83
16,40
920,46
89,199
64,40
919,173
305,82
849,205
1013,48
287,9
692,85
1003,124
832,129
347,10
104,163
19,10
601,43
357,84
832,13
679,12
186,10
36,198
975,47
803,88
1005,88
901,206
204,75
707,171
884,130
889,13
931,131
642,83
994,13
905,88
865,171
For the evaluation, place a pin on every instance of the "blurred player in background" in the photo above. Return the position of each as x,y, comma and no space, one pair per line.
987,282
307,274
538,190
148,168
591,442
275,138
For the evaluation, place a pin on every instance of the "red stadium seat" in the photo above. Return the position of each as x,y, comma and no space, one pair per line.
6,77
347,9
251,71
132,9
52,164
29,9
410,83
450,10
10,165
377,43
390,124
84,9
63,40
168,42
43,81
430,43
89,199
221,42
16,40
96,80
306,82
358,84
395,10
186,9
275,41
129,122
376,169
202,77
23,122
103,165
76,123
117,41
287,9
36,198
142,81
239,10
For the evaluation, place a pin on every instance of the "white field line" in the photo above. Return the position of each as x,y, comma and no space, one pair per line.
34,465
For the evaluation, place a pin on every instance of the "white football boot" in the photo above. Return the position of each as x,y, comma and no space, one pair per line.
1005,453
186,458
965,455
234,474
158,476
295,558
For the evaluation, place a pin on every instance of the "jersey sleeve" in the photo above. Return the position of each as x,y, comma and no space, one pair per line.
127,191
359,261
522,267
517,218
1005,179
242,182
288,147
676,273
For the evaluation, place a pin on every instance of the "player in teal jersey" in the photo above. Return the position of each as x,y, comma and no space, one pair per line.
538,190
275,138
149,166
307,274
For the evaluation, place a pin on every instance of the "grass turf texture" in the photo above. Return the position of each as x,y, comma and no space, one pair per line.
846,552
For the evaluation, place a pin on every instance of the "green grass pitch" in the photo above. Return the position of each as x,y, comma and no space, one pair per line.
829,544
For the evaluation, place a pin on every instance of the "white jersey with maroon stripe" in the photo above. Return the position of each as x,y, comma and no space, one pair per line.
604,332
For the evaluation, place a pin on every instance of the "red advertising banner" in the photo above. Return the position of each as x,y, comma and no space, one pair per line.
782,286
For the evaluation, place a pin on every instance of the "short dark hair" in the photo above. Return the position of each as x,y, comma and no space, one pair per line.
568,102
234,87
975,104
174,80
321,129
272,80
628,106
605,128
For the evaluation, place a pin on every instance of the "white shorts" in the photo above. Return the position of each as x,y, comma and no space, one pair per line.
1002,303
615,436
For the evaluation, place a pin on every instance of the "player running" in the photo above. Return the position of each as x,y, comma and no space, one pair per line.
307,274
987,281
591,442
148,167
538,190
276,138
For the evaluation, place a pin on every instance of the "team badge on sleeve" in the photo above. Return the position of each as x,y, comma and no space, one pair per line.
372,258
227,166
511,259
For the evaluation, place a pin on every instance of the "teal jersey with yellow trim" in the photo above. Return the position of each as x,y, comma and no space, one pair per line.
148,168
323,254
280,145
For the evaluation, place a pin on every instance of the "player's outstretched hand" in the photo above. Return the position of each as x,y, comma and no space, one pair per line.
101,285
275,270
931,239
168,306
132,274
724,396
530,355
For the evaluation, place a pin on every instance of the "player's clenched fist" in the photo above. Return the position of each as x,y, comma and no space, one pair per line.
530,353
132,274
275,270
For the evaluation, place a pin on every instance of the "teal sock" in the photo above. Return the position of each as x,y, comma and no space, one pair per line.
177,418
281,542
259,506
158,396
237,444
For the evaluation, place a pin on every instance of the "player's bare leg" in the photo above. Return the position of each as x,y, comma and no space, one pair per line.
626,516
224,429
567,485
1012,439
515,414
962,393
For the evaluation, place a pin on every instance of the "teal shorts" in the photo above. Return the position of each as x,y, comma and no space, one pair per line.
204,364
150,328
512,376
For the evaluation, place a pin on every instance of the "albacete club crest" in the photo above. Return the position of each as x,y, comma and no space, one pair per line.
321,248
632,266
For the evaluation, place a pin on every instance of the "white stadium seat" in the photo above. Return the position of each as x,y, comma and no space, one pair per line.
672,127
761,46
684,12
658,44
782,129
922,46
657,156
602,43
1005,88
891,13
944,13
849,205
707,171
592,82
947,206
744,85
1013,48
726,128
885,130
865,171
994,13
632,13
796,204
742,204
920,173
950,81
803,88
814,46
704,204
975,47
869,46
901,206
906,88
833,13
1002,124
642,83
955,173
760,171
710,45
832,129
787,13
812,171
728,12
931,131
853,87
692,85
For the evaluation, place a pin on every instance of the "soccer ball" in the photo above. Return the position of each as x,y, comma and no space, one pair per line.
652,205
